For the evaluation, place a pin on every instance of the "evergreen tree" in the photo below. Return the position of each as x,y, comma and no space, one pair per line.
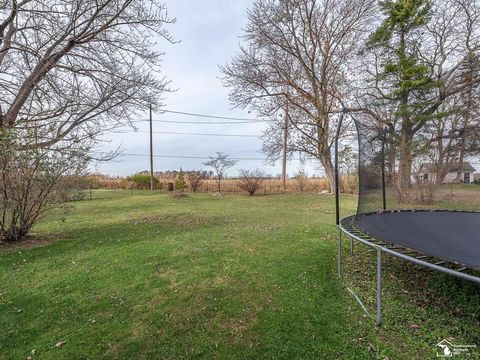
180,181
405,76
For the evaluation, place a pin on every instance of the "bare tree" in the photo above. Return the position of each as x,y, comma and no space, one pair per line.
302,51
220,164
251,180
69,70
195,179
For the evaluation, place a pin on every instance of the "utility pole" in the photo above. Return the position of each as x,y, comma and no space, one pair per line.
151,149
285,142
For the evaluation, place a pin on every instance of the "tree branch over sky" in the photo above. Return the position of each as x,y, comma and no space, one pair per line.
70,69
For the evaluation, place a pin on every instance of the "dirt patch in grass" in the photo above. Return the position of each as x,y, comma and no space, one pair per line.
186,220
237,327
32,241
262,228
179,195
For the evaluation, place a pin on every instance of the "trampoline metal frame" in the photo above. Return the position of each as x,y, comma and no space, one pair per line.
346,227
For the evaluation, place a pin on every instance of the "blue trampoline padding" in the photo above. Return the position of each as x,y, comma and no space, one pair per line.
448,235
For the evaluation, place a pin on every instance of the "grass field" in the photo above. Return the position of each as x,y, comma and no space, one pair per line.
151,277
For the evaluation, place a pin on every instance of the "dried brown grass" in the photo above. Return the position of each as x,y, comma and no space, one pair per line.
269,186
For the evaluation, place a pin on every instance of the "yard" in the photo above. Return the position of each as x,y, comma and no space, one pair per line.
146,276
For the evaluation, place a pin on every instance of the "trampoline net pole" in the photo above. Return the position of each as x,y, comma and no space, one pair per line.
339,245
379,287
337,176
384,193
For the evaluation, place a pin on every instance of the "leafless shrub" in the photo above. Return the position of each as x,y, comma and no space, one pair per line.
251,180
30,183
195,179
302,180
425,192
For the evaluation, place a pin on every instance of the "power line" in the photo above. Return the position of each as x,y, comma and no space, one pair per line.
238,122
195,157
182,133
188,157
209,116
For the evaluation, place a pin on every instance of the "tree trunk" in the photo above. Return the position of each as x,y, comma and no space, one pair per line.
323,148
403,182
325,158
330,174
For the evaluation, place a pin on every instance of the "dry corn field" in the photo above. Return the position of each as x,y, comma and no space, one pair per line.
269,186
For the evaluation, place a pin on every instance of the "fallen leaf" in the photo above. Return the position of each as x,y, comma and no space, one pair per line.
60,344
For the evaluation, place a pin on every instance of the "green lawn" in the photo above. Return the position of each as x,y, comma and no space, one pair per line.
147,276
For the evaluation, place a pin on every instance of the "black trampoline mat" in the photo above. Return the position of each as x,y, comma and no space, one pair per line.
448,235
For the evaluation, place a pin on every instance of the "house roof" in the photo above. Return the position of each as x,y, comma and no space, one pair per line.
428,168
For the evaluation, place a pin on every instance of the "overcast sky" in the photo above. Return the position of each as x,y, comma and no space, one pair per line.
209,34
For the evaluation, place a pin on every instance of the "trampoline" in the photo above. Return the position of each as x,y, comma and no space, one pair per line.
449,235
445,240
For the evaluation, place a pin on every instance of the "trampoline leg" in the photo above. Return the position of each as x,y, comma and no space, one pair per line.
339,245
351,246
379,287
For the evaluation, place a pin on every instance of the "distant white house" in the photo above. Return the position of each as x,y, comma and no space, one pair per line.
476,177
428,172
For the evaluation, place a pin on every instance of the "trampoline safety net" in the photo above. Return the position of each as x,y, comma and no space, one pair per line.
435,167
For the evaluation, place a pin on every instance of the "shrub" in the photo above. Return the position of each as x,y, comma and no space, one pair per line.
195,179
302,180
251,181
180,182
142,181
31,183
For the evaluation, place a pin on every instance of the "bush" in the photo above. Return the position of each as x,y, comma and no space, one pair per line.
180,182
31,183
195,179
302,180
251,181
142,181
